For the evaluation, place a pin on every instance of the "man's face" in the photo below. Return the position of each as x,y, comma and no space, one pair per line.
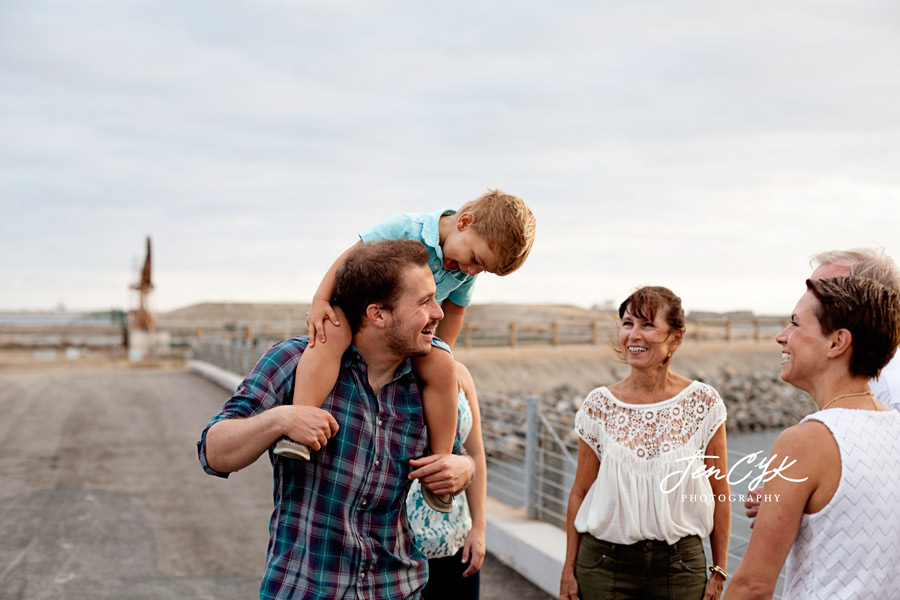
415,316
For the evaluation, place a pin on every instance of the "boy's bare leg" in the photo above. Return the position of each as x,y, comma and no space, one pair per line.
441,406
316,374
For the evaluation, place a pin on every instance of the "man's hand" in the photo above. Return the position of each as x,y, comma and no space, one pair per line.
443,473
752,502
308,425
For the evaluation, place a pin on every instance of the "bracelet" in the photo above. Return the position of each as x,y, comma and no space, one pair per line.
720,571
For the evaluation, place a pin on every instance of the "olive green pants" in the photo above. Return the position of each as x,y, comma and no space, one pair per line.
645,570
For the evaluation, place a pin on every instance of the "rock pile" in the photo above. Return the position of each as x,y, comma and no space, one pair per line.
757,401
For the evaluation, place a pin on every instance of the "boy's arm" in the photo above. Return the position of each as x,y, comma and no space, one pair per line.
320,309
450,326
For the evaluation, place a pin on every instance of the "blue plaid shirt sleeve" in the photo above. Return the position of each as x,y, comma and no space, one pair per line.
270,384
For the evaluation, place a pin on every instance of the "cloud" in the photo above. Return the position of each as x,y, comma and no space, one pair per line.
710,145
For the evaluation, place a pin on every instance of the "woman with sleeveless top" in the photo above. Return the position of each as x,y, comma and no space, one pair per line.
835,513
641,501
454,541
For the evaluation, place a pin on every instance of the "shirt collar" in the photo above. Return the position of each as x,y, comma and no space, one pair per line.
353,358
431,232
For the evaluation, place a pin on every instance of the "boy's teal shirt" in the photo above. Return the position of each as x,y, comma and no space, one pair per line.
455,286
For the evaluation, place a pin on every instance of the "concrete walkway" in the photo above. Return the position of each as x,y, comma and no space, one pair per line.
102,497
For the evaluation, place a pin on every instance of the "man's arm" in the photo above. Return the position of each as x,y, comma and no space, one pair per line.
233,444
256,415
444,473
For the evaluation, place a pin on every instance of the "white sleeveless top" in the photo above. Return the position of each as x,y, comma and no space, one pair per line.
851,548
644,449
442,534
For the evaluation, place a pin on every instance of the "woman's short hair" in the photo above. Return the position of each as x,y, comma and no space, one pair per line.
373,274
869,310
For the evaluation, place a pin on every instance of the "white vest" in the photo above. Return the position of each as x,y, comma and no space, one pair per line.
851,548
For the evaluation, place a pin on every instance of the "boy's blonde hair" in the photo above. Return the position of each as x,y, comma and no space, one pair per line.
506,224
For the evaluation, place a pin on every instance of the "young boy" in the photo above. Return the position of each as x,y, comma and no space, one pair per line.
493,233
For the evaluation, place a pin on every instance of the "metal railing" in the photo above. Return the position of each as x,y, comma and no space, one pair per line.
531,457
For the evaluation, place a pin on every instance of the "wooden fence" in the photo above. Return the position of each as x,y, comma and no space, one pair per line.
569,332
556,333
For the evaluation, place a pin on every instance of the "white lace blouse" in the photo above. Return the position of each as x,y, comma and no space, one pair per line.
648,452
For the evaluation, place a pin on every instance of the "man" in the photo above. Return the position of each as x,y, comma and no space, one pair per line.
339,528
862,262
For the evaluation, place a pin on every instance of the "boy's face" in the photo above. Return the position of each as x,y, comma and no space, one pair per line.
466,251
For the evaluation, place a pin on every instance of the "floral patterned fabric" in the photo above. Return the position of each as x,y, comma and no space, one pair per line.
442,534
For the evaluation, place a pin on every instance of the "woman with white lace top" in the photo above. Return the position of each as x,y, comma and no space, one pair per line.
454,541
642,499
834,514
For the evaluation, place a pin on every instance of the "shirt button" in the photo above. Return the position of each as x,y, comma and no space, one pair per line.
362,575
364,502
377,463
380,423
435,266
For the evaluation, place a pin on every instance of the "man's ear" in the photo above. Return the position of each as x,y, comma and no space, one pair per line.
377,314
841,342
464,221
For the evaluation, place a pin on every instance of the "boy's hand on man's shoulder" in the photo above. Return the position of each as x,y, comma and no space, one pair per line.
319,312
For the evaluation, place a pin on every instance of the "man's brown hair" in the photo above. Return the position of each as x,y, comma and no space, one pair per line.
373,274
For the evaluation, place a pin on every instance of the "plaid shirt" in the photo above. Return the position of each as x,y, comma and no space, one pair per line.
339,528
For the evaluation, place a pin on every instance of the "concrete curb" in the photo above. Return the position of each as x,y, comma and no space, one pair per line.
225,379
534,549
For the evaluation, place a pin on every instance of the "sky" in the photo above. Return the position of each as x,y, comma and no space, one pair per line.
710,147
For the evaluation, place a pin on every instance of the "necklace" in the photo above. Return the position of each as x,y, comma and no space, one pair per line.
836,398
